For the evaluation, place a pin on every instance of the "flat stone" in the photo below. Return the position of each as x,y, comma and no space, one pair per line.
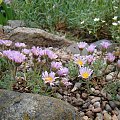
38,37
7,29
25,106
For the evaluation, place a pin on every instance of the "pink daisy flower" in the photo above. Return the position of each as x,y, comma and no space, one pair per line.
56,65
85,72
91,48
110,57
80,61
20,45
82,45
63,71
49,77
105,45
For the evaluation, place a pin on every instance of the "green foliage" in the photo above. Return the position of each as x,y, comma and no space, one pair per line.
73,70
52,13
112,88
6,81
3,65
5,75
98,66
6,13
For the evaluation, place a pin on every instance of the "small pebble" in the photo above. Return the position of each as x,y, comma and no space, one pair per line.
118,97
82,114
77,95
96,110
92,89
84,95
107,116
108,108
86,105
95,99
90,114
96,104
119,75
109,77
76,86
97,91
114,117
99,116
112,104
117,103
85,118
103,93
97,87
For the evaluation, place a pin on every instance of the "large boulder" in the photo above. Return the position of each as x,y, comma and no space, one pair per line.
37,37
26,106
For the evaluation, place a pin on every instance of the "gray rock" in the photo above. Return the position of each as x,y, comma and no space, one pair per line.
75,50
97,43
24,106
16,23
38,37
7,29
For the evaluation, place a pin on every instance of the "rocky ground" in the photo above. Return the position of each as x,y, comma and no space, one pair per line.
94,105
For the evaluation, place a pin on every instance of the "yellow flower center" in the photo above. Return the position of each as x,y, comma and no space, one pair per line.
50,79
80,62
85,75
